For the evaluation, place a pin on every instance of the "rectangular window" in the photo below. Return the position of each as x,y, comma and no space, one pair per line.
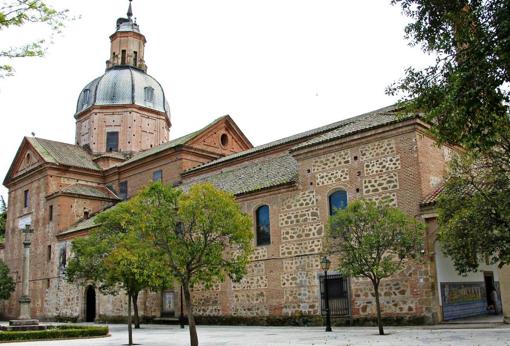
50,213
112,141
123,190
135,58
26,199
123,57
148,94
49,253
157,175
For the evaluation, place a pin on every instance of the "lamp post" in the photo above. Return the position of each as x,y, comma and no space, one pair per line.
325,263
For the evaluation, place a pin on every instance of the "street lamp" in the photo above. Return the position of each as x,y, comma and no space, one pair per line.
325,263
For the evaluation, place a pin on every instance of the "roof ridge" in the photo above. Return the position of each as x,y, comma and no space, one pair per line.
316,131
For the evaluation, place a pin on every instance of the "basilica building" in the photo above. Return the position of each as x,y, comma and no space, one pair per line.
289,186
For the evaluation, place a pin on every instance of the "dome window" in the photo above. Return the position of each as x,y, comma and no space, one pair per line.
86,98
149,94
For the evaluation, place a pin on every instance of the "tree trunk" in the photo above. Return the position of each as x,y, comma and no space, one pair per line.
378,306
191,320
135,307
130,329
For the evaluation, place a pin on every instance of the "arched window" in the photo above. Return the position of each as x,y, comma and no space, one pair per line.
263,226
337,200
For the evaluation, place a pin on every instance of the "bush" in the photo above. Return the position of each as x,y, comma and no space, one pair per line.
55,332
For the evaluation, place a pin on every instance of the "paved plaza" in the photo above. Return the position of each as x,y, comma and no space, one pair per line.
152,335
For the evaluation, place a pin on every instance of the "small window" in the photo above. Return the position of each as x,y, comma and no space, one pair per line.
28,159
86,97
123,57
135,58
263,226
149,94
86,214
123,190
26,198
337,200
112,141
224,140
50,213
63,257
157,175
49,253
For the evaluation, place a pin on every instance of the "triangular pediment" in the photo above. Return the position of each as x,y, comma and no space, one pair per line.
27,158
223,137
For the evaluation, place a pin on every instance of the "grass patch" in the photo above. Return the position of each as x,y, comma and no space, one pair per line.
54,332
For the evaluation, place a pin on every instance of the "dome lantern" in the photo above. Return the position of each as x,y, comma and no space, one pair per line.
124,110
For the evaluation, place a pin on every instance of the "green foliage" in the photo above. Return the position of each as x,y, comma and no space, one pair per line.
373,241
115,257
7,284
202,232
474,213
55,332
16,13
3,217
465,94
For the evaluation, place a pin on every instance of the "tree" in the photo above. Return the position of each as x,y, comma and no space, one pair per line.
3,217
373,241
203,234
16,13
474,213
116,259
465,94
7,284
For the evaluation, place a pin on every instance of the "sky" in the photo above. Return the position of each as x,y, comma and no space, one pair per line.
277,67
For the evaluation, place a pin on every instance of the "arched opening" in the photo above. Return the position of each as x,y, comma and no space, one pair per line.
337,200
263,226
90,306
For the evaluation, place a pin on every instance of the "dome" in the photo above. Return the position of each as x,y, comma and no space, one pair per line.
123,85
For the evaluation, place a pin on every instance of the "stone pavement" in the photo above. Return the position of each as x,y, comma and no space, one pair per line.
155,335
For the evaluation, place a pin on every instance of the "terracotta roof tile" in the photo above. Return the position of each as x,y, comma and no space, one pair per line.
253,176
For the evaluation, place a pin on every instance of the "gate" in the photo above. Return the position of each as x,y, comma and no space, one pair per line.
339,293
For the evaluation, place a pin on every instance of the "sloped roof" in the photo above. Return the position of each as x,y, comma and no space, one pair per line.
81,226
253,176
362,121
367,122
171,144
432,197
89,191
63,153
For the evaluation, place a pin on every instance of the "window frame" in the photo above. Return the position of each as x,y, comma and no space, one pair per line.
331,211
260,239
108,133
123,185
26,198
155,178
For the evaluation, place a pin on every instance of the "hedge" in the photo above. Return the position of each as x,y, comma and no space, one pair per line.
55,332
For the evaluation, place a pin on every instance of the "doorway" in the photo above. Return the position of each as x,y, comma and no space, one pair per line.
489,286
90,306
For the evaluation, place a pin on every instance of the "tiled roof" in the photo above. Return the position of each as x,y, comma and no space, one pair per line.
365,123
432,197
81,225
365,119
253,176
90,191
63,153
171,144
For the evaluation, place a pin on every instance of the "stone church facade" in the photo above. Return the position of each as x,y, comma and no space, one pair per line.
123,143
